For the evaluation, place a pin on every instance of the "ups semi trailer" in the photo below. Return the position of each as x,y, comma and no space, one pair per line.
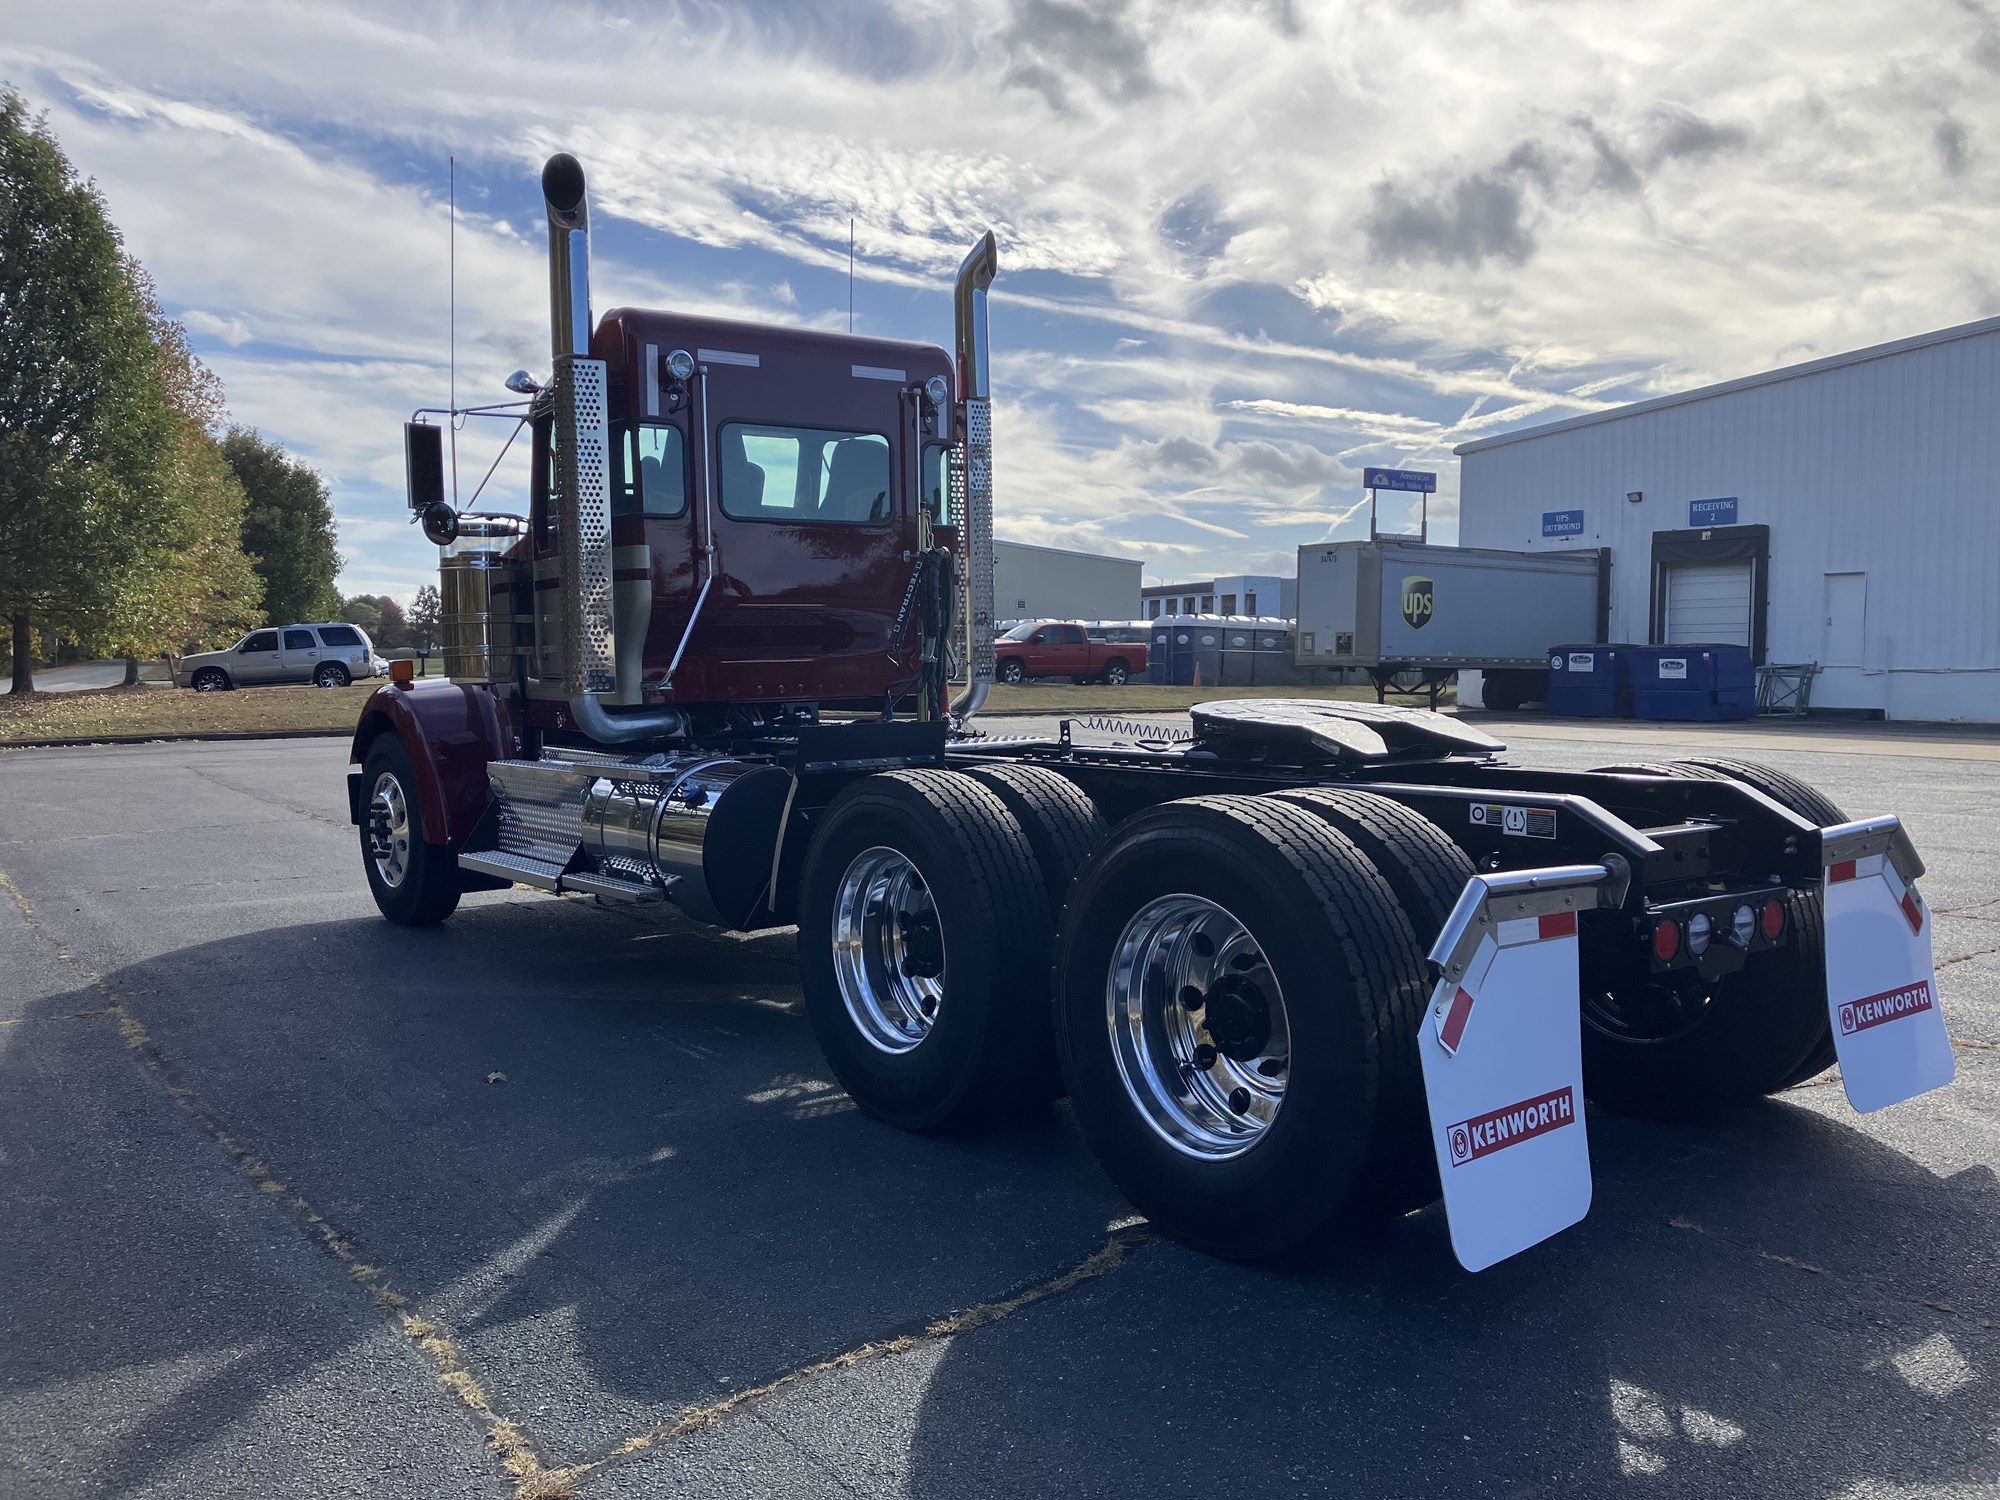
1321,963
1401,610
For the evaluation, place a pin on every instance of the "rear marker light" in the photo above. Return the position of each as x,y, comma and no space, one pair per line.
1773,919
1666,941
1699,930
1742,925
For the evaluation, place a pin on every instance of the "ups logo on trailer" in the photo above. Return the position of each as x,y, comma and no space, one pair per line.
1416,602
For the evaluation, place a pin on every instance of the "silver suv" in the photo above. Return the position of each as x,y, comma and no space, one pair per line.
329,654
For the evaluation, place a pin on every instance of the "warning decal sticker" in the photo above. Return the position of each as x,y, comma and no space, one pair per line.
1521,822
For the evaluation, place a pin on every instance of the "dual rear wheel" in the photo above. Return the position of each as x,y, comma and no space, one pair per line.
1233,1002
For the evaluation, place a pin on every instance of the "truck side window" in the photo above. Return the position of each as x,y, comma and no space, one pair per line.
805,474
542,486
648,470
934,498
1072,635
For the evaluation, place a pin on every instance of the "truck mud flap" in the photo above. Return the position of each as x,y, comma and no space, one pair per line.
1502,1051
1881,983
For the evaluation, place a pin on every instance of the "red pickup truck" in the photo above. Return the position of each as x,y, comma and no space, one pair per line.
1042,648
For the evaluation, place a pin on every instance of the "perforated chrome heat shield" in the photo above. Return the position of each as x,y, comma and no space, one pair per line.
973,515
583,487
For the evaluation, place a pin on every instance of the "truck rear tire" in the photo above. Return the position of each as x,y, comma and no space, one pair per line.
924,937
414,883
1428,873
1762,1030
1234,983
1063,825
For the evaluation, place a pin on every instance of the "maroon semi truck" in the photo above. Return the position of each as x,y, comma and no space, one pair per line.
1322,962
1061,648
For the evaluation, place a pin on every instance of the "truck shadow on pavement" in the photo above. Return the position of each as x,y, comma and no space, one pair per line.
604,1156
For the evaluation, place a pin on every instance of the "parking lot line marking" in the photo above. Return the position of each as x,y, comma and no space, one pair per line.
508,1441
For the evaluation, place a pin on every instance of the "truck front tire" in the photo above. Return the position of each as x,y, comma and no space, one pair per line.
415,883
1011,671
924,937
1236,990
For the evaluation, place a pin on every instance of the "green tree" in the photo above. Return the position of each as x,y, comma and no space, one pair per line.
287,528
364,610
426,619
381,616
196,588
86,430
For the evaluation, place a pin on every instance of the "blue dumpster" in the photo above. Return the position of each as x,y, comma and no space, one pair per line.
1591,681
1704,682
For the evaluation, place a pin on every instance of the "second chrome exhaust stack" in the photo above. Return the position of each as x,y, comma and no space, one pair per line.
973,510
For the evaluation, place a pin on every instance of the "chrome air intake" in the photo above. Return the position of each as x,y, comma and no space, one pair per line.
972,474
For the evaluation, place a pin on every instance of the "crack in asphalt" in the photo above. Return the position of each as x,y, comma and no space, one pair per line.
510,1442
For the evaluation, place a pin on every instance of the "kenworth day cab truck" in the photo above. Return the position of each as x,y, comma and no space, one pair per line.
1323,961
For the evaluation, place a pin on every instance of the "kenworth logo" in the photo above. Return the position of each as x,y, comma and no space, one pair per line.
1485,1134
1859,1015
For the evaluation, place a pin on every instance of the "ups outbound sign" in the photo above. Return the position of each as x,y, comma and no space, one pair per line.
1418,599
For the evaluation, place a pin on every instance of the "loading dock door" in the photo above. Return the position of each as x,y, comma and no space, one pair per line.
1709,602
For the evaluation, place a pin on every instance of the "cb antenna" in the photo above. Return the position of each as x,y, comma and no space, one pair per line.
451,282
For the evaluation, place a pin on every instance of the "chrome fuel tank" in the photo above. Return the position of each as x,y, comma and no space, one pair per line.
701,827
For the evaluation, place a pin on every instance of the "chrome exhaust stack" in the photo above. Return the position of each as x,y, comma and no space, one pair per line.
972,474
582,481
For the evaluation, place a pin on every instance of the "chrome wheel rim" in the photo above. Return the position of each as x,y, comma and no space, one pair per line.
1198,1027
389,831
326,677
888,950
207,684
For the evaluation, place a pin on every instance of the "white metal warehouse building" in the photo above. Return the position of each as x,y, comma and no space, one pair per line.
1042,583
1842,512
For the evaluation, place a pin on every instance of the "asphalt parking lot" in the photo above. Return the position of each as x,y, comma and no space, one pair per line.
554,1199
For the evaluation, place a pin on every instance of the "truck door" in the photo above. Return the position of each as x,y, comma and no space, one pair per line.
257,659
1041,653
299,655
1076,652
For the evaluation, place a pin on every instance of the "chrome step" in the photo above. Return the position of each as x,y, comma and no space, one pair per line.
521,869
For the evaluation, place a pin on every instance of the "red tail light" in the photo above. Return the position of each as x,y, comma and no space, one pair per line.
1773,920
1666,941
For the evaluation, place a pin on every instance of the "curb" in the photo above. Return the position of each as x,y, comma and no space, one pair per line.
177,739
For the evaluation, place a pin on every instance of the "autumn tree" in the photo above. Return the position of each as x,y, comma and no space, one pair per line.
87,436
195,588
288,528
426,619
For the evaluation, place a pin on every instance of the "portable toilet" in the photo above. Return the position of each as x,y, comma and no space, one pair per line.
1159,651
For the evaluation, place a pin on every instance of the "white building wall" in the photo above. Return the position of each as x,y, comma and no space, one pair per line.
1031,583
1888,466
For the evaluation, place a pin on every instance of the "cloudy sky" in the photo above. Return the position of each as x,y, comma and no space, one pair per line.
1246,247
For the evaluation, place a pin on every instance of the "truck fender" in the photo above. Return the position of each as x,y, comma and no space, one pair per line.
450,732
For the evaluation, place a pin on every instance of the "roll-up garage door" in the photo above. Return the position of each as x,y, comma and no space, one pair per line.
1709,602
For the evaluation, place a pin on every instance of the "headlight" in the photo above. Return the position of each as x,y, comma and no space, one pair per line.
680,364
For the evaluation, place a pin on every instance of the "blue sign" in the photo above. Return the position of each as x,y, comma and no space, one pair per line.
1562,523
1720,512
1399,479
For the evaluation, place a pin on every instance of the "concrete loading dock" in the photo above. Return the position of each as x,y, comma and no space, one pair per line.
1840,512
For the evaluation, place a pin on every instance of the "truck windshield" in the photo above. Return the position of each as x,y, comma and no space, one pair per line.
1022,632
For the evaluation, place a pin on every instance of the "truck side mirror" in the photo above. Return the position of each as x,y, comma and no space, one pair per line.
423,463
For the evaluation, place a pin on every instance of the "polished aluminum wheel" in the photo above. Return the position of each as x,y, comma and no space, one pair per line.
888,950
1198,1027
389,831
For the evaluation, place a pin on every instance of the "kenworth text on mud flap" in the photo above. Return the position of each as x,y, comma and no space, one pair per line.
1319,963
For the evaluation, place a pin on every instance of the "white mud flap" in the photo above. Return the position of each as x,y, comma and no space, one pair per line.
1881,984
1502,1049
